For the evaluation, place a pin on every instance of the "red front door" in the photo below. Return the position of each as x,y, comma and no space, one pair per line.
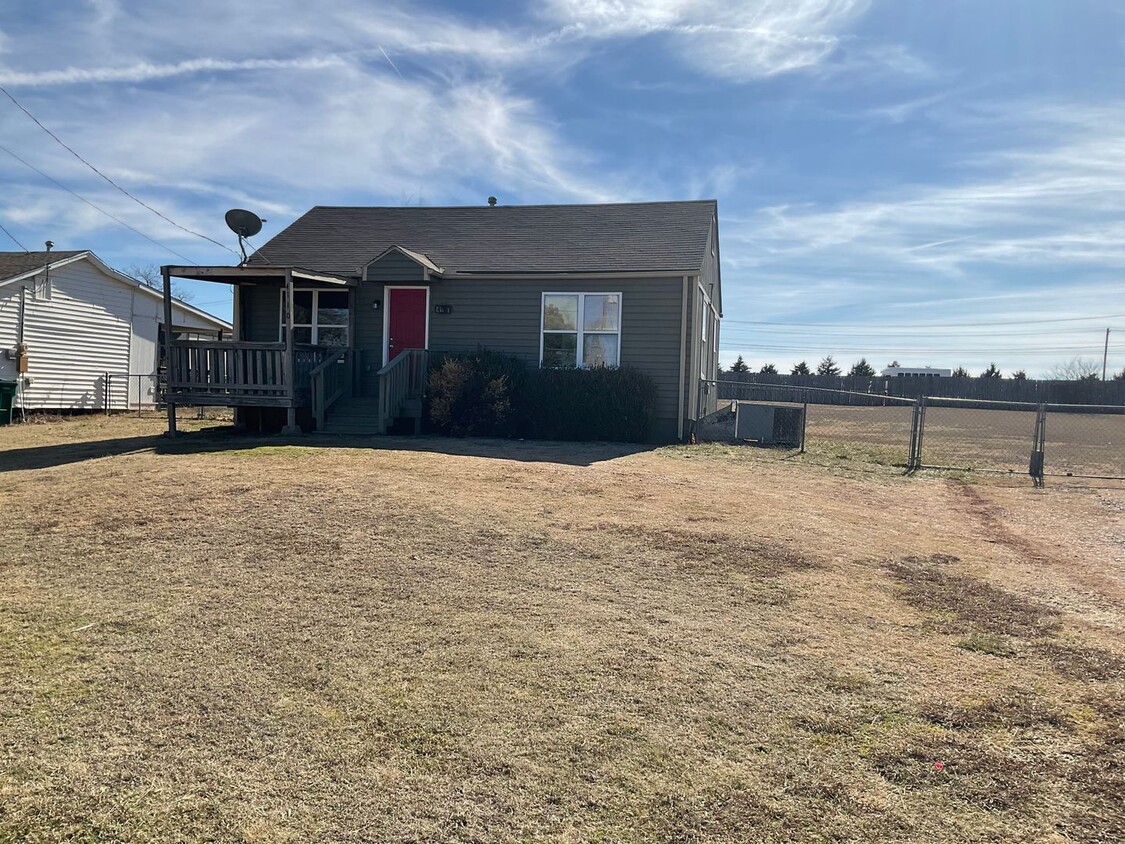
406,320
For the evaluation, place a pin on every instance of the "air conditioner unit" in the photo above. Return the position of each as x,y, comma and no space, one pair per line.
769,424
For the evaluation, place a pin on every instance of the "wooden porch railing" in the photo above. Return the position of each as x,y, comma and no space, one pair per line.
241,372
223,369
331,379
402,379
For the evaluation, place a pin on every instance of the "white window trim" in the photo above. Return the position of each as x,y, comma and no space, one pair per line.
314,325
387,288
580,328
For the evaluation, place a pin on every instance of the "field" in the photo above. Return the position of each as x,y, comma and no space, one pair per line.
957,437
221,638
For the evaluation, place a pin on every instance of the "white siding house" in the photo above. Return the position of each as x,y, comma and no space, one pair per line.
85,326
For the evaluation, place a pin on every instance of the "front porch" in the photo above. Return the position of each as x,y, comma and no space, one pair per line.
310,381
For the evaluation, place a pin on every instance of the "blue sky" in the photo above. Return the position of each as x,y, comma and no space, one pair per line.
937,183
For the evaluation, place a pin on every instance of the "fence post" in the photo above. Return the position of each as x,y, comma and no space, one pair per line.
105,391
1039,438
917,427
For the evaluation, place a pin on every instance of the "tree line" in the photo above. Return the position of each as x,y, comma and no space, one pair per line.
1077,369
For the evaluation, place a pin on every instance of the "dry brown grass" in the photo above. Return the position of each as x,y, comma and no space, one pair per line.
230,639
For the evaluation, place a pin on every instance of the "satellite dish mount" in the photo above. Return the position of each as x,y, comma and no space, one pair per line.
244,224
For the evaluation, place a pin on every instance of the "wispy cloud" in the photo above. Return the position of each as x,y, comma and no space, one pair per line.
734,40
145,71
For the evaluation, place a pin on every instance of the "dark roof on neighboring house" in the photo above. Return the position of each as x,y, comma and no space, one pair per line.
633,237
18,263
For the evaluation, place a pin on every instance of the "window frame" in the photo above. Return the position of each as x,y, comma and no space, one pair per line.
579,330
314,326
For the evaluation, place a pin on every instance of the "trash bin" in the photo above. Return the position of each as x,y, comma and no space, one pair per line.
7,400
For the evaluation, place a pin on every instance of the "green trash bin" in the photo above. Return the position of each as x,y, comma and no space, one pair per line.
7,401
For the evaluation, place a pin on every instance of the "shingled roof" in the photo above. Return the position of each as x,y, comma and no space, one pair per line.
13,264
628,237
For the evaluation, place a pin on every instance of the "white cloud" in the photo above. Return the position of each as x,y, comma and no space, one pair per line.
146,71
734,40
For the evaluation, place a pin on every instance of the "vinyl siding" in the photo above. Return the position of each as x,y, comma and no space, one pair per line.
395,267
504,315
73,339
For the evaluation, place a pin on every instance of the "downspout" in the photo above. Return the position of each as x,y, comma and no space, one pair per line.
681,411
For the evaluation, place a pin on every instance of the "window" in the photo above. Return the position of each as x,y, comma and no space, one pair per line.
581,329
320,317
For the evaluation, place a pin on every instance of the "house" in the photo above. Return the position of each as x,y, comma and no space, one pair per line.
77,334
334,317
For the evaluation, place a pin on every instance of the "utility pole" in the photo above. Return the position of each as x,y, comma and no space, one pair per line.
1105,353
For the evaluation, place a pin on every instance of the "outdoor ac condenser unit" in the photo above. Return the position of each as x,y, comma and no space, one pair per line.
769,424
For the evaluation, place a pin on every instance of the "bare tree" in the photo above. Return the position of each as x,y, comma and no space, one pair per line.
149,275
1075,369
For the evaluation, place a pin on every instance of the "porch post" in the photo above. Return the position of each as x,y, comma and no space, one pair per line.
168,399
290,364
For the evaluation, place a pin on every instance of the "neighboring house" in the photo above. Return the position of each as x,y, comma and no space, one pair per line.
373,289
84,327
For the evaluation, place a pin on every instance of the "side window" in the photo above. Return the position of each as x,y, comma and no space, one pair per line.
581,329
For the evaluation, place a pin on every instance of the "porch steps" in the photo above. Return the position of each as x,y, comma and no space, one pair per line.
359,417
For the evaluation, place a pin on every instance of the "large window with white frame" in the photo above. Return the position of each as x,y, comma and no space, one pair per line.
581,329
320,317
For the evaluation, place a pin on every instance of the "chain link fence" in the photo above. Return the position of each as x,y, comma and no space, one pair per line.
1042,440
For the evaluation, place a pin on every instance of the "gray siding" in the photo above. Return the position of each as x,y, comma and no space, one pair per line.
260,312
504,315
395,267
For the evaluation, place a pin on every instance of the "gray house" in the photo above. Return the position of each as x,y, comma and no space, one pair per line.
334,317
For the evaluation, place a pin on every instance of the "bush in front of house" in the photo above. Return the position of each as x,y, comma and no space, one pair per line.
472,395
490,394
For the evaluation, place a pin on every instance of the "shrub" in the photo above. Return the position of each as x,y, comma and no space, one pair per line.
494,395
472,395
590,404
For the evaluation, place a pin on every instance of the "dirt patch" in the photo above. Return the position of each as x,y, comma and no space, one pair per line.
965,604
1016,707
1082,662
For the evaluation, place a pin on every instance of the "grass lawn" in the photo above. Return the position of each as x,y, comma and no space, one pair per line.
232,639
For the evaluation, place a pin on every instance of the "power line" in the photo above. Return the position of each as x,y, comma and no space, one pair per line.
925,325
878,333
95,207
140,202
13,237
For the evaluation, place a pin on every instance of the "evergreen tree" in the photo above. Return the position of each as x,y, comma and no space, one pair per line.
768,369
862,369
991,372
827,367
801,368
1019,375
1120,376
894,364
960,372
739,365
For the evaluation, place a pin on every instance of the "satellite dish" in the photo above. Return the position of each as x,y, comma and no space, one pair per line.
243,223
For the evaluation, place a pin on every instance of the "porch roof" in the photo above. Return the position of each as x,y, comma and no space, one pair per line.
256,274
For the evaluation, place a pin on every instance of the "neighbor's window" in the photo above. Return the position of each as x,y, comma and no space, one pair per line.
319,317
581,329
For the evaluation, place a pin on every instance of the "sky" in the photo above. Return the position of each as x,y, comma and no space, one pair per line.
939,184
